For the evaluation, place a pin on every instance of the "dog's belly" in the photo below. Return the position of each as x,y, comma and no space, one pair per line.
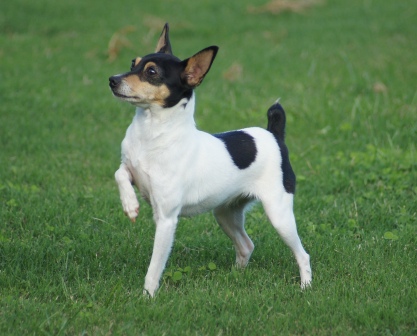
196,209
213,202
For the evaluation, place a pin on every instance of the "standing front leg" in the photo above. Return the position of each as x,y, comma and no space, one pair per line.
128,197
164,239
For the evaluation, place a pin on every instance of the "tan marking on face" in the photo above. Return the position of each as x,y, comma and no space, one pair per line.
150,64
137,60
146,92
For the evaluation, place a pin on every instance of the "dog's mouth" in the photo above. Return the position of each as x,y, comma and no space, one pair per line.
119,95
124,97
134,100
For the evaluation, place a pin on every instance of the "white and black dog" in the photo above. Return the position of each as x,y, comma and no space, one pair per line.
182,171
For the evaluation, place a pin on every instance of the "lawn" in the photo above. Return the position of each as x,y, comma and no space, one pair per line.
346,71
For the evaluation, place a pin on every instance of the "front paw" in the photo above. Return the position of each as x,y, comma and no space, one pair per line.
150,288
131,207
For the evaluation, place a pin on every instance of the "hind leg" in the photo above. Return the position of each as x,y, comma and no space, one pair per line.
280,212
232,219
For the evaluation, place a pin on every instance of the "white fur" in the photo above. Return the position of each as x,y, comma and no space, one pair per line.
182,171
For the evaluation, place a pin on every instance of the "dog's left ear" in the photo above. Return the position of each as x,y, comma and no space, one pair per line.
197,66
164,46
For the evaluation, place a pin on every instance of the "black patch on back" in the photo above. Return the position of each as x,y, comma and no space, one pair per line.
241,147
276,125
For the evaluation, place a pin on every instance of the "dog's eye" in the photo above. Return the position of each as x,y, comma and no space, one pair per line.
151,71
133,64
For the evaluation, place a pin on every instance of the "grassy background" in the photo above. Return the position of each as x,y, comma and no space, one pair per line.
71,263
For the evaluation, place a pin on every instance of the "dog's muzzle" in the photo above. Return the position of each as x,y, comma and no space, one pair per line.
114,81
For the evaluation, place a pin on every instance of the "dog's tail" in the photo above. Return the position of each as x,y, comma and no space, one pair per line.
276,125
276,121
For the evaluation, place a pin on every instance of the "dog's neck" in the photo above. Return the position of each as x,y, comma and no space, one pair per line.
156,121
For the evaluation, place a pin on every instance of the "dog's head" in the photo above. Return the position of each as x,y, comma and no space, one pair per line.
161,78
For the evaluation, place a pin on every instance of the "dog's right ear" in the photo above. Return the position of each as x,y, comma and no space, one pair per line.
197,66
164,46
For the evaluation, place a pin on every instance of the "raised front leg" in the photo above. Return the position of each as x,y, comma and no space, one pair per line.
127,193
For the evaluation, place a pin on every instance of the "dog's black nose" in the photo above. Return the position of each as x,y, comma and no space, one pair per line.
114,81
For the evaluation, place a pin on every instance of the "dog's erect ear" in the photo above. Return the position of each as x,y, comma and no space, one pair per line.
164,46
197,66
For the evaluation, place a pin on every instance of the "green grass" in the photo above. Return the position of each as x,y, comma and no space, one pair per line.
71,263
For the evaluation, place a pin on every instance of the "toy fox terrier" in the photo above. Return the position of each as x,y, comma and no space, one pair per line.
182,171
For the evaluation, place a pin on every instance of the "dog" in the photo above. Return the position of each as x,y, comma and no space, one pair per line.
182,171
